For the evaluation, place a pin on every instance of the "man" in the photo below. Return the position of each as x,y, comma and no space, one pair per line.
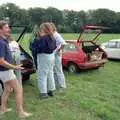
7,75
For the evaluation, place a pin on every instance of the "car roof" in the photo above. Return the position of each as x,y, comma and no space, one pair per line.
114,40
71,41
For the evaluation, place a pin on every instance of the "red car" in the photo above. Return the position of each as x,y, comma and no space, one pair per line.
84,53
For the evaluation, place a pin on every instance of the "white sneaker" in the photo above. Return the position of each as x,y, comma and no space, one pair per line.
8,110
25,115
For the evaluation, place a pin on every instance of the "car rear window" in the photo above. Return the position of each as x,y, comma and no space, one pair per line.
69,47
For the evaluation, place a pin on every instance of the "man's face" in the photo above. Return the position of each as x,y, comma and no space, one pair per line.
5,31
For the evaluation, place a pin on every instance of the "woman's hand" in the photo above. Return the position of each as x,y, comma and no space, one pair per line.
18,67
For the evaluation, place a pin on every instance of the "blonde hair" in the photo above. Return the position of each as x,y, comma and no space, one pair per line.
47,28
53,27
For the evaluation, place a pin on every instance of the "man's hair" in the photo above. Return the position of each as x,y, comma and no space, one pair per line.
2,23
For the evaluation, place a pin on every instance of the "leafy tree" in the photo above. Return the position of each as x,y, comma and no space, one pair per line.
66,21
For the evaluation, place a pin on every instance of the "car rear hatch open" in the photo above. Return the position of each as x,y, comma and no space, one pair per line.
91,33
88,41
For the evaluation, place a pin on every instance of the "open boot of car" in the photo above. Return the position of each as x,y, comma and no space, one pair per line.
85,52
94,53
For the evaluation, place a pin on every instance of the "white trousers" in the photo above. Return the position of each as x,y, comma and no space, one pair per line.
45,75
58,72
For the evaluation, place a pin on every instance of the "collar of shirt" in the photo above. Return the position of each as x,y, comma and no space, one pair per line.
5,40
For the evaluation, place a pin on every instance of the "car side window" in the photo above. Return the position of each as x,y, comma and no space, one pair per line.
118,45
69,47
112,44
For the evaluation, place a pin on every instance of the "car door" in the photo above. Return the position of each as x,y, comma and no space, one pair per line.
113,49
118,50
71,53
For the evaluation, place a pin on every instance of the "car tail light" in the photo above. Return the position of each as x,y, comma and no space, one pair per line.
85,58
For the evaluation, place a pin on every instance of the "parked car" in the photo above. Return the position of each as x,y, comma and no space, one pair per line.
112,48
84,53
26,58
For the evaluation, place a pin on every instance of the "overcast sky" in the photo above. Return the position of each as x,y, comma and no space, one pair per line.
68,4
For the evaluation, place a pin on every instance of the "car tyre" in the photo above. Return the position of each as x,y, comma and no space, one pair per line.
72,68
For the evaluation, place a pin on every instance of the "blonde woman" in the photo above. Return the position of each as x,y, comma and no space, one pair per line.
43,49
15,50
58,71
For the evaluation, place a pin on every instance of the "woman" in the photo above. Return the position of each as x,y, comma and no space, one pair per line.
58,71
15,50
43,49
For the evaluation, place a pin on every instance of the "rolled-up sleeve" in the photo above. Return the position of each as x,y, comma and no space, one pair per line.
2,50
59,39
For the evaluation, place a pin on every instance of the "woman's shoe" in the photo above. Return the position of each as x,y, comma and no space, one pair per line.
43,95
50,93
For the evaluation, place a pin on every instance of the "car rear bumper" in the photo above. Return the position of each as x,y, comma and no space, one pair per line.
93,64
28,71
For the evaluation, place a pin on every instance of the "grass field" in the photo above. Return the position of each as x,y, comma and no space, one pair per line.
90,95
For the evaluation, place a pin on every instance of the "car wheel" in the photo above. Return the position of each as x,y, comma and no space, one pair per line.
25,77
72,68
97,68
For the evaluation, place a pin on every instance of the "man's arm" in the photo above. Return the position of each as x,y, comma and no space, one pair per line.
10,66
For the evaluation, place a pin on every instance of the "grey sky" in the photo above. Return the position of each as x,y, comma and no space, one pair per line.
68,4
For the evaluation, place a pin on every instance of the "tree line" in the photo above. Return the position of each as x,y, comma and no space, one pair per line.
66,21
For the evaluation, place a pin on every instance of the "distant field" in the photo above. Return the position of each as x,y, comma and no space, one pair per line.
90,95
102,38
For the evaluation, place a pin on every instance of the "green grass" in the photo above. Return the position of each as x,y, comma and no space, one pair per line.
103,38
90,95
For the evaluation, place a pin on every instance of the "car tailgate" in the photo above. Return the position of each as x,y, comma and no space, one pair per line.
93,64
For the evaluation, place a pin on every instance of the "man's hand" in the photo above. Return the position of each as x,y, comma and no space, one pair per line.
10,66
